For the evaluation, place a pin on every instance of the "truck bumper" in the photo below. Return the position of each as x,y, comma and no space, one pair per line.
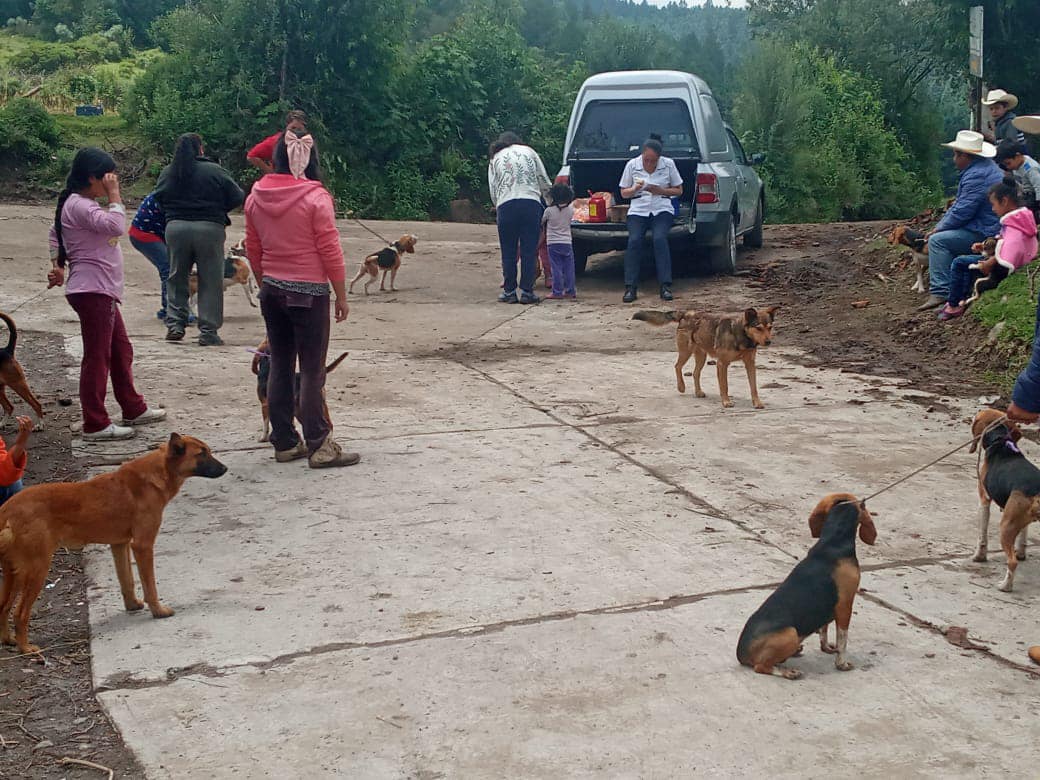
710,230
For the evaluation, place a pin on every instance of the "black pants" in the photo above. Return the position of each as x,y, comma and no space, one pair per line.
658,225
297,327
519,222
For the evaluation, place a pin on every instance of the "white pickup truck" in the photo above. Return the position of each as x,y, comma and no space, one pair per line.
723,197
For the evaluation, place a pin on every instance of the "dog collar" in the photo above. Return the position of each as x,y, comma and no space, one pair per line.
1013,447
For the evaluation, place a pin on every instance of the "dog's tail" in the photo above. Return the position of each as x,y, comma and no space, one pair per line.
13,340
332,366
658,317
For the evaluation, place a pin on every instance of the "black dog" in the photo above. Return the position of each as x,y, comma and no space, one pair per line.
262,368
821,588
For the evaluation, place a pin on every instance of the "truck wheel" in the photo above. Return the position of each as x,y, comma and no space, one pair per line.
723,259
581,261
753,238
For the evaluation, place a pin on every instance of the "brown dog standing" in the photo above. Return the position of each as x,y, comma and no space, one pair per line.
12,375
123,508
727,338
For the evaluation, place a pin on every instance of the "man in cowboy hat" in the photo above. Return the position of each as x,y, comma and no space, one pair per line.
1001,107
969,220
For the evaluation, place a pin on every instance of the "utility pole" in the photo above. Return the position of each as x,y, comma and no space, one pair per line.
975,51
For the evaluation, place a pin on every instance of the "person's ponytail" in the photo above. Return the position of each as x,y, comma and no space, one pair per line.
88,163
185,155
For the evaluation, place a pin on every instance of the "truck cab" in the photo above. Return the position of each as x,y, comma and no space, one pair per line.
723,197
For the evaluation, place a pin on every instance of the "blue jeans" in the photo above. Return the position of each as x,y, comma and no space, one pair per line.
157,255
519,223
942,249
9,490
962,278
659,225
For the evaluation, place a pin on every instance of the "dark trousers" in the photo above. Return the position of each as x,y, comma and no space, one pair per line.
7,491
962,278
561,258
519,223
659,225
297,327
199,245
107,352
157,255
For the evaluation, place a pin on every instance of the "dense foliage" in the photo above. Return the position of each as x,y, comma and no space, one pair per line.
848,100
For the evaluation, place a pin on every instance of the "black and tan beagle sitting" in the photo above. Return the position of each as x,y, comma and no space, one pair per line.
1011,481
820,589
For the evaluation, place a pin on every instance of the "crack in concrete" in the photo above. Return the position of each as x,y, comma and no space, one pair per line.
124,682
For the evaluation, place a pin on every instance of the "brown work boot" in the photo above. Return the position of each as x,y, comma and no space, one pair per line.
329,456
288,456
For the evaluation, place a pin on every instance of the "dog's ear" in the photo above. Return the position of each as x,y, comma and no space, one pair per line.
177,446
751,317
867,529
771,311
819,514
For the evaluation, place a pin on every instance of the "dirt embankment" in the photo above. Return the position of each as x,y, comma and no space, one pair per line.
829,268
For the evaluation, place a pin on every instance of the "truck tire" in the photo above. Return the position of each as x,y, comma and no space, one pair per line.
581,261
753,238
723,259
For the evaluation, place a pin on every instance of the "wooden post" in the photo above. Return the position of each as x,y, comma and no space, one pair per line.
976,20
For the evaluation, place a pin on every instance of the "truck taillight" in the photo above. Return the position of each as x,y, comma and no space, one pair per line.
707,188
563,179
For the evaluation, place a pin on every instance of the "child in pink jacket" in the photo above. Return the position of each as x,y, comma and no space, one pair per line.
293,246
1016,248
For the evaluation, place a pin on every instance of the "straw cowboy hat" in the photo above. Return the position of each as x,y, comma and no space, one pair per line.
970,142
1027,124
1000,96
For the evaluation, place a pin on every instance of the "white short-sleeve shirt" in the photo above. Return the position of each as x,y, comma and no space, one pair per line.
644,203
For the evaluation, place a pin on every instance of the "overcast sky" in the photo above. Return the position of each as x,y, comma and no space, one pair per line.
734,3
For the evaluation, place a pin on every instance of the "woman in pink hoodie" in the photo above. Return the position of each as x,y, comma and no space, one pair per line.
293,247
1016,247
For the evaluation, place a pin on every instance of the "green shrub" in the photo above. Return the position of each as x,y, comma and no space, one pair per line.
30,134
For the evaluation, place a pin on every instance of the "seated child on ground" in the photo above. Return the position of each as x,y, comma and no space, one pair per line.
1016,248
12,461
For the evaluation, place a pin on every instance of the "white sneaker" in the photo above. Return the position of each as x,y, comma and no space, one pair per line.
147,417
112,433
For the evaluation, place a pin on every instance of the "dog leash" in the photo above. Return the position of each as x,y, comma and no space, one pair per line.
999,421
351,216
27,301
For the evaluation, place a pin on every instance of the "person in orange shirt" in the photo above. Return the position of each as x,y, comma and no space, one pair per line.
12,461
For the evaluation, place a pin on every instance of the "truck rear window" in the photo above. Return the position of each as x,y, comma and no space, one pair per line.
617,128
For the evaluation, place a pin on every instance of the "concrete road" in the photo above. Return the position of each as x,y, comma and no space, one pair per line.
543,562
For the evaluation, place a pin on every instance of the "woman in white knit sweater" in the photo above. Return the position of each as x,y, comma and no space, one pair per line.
518,182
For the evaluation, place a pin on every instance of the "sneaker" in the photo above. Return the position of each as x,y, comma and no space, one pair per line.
288,456
175,333
508,297
147,417
210,340
112,433
555,297
951,313
666,292
330,455
529,298
630,295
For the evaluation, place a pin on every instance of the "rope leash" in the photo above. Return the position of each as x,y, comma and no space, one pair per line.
999,421
27,301
351,216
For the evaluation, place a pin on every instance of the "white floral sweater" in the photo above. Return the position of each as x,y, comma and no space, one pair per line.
516,173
